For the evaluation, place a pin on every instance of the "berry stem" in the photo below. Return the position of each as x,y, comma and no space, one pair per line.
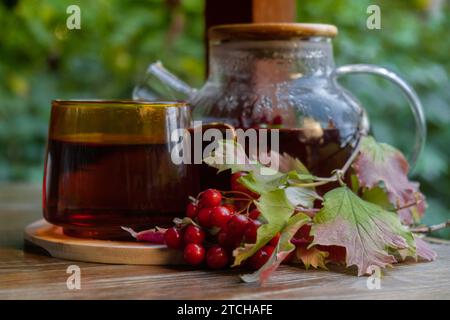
237,192
237,199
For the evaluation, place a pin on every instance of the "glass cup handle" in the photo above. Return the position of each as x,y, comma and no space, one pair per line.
410,94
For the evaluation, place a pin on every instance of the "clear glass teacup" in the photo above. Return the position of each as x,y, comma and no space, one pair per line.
108,164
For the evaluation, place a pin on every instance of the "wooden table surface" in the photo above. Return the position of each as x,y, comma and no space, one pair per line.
26,275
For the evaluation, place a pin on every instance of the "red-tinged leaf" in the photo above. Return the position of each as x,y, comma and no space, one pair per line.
282,250
336,254
367,232
311,257
381,164
423,250
155,236
303,238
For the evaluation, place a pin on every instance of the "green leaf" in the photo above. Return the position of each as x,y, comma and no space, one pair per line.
368,232
299,196
354,183
229,155
282,250
260,184
378,196
276,210
295,177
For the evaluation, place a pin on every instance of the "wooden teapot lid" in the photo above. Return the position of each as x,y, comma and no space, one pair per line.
270,31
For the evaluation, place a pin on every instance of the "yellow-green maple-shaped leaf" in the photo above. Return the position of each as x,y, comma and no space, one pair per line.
311,257
368,232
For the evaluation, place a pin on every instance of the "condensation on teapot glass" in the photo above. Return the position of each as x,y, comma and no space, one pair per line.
278,76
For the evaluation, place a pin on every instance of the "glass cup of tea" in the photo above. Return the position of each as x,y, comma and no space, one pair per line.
108,164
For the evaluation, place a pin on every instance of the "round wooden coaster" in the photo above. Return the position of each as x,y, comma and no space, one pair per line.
51,238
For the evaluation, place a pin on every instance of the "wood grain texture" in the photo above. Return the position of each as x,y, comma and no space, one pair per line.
273,10
26,275
53,241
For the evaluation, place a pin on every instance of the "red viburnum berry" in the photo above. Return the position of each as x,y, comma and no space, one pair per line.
194,254
173,238
191,210
217,258
220,217
193,234
237,225
228,240
231,207
254,214
210,198
204,217
250,234
222,238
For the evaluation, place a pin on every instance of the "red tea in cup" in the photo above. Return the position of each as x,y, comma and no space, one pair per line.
109,165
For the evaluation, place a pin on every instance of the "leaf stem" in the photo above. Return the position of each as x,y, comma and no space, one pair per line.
329,179
337,175
311,184
352,157
310,212
429,229
301,209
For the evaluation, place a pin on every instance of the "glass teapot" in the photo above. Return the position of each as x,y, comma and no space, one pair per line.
281,75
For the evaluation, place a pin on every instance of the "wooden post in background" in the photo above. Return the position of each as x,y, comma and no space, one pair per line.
246,11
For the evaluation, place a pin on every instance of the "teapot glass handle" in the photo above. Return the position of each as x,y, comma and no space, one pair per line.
410,94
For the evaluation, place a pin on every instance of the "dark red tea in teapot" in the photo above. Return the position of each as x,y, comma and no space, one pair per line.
321,151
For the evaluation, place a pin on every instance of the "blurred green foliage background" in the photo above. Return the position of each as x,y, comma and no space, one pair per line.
40,59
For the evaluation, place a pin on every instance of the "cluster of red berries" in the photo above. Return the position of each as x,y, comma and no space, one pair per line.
220,227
